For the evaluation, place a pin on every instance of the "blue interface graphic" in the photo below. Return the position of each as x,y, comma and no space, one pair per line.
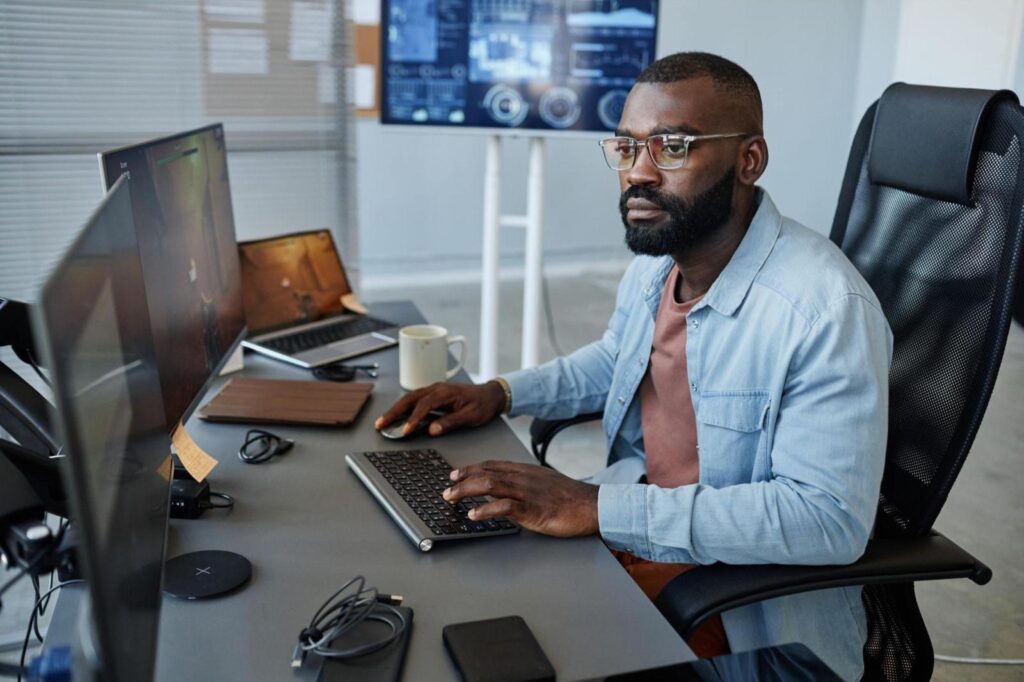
531,64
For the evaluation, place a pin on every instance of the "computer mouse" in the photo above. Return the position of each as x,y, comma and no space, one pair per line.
394,429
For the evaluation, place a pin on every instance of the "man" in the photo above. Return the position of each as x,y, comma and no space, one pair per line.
743,376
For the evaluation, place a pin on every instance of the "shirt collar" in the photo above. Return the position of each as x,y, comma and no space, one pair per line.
732,285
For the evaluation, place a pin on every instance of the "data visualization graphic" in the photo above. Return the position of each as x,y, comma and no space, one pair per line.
513,64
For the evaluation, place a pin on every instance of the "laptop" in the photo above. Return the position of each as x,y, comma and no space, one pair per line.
299,305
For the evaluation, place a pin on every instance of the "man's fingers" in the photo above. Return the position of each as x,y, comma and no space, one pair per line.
401,407
507,508
495,465
437,395
456,420
493,484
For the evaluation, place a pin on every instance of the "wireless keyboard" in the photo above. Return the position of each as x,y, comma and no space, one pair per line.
409,483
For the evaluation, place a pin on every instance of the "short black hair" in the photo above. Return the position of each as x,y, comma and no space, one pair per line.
726,74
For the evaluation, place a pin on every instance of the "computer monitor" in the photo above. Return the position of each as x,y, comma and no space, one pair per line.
181,202
93,325
540,65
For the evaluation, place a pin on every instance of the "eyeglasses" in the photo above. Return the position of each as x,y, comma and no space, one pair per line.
669,151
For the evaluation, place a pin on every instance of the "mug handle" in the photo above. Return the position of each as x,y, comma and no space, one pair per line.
461,340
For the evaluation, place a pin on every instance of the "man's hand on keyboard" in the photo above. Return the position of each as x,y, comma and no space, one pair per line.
467,405
538,498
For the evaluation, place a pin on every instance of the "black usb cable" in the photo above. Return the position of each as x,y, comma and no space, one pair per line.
261,446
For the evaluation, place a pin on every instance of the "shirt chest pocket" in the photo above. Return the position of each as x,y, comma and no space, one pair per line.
731,437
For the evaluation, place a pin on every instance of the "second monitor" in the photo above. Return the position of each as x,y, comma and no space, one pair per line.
181,203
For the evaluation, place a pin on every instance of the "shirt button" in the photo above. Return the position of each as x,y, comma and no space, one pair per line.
693,385
622,400
695,324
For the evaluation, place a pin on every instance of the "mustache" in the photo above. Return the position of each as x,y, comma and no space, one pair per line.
650,194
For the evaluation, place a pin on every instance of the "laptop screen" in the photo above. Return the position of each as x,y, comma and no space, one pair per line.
291,280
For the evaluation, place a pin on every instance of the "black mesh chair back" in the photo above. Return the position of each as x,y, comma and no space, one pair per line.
930,212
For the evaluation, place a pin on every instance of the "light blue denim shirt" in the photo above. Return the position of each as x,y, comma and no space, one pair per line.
788,360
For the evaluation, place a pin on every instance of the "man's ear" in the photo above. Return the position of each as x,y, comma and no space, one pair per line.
753,159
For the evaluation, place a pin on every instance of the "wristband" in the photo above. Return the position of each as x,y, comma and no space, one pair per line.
508,394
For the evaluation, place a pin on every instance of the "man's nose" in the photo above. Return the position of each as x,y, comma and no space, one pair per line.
643,172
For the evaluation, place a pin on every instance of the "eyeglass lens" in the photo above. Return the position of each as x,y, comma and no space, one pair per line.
668,151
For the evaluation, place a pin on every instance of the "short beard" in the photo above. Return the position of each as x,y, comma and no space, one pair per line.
687,223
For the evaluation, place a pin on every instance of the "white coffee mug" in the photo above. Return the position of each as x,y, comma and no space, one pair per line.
423,355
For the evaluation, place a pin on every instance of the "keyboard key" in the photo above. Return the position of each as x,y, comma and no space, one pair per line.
321,336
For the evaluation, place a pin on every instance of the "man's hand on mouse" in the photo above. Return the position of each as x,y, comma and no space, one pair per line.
538,498
466,405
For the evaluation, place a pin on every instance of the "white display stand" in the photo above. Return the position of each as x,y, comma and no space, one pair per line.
533,222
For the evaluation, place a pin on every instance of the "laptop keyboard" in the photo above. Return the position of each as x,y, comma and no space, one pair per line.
321,336
419,477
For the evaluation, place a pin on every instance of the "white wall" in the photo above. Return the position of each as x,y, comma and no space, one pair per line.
804,56
959,43
879,39
955,43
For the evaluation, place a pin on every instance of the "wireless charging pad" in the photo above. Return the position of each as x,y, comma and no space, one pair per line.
199,575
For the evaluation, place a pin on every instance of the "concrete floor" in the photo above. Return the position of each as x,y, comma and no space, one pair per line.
983,513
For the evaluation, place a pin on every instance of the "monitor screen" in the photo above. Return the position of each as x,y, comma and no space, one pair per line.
181,201
513,64
93,324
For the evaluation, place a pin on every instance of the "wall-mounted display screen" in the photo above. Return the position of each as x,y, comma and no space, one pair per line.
513,64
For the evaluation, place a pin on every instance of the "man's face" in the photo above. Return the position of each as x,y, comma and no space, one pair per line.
667,212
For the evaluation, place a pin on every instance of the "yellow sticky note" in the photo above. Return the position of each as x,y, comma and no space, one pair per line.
197,462
351,302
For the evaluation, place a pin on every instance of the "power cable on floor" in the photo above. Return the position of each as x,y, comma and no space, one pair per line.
550,317
979,661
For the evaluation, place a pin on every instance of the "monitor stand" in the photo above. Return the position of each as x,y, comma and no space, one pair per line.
210,573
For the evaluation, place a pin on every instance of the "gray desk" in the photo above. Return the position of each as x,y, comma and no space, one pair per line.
307,524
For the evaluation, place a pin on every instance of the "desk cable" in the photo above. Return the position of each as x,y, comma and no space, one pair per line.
227,501
344,611
261,446
549,316
979,661
32,622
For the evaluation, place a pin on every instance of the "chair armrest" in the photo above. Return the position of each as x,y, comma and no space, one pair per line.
543,430
705,591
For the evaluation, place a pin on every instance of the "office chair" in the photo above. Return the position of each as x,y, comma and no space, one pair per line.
930,212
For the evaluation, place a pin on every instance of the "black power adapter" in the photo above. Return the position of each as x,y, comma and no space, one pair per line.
190,498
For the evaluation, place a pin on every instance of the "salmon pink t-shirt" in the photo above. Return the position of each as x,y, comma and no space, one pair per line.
666,407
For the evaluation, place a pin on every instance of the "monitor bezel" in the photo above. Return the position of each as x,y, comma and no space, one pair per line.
236,343
79,497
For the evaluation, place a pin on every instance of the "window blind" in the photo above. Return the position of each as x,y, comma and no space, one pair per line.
78,77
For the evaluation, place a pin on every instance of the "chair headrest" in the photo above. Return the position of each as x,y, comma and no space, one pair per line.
925,139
